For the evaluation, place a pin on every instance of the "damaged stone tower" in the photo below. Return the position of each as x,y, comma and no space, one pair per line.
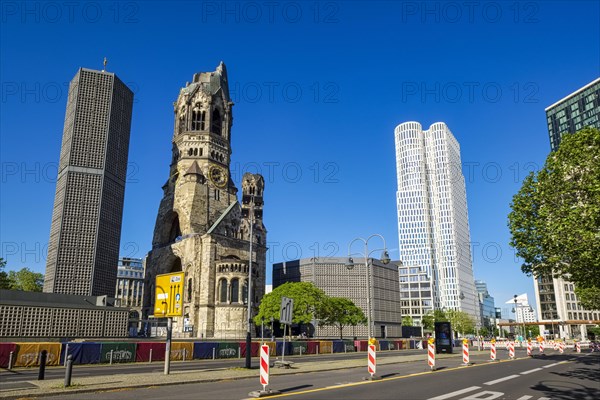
202,229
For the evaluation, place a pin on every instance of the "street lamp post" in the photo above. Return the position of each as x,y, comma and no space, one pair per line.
249,294
385,259
516,318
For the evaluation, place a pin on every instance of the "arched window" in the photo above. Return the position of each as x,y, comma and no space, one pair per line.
190,152
245,292
235,290
189,290
215,123
198,120
223,291
195,152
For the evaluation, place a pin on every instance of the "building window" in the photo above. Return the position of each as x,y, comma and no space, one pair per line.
215,123
198,120
223,291
189,290
235,290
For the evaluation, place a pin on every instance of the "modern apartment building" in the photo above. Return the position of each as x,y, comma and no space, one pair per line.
574,112
433,224
415,292
557,304
486,304
130,283
88,206
335,278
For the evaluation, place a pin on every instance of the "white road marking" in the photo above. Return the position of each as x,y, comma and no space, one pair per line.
526,397
458,392
530,371
550,365
501,380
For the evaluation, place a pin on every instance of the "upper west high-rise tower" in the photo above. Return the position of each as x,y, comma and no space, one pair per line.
433,223
201,228
83,250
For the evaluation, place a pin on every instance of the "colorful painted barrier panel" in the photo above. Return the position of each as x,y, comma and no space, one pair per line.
5,349
142,353
122,352
82,353
28,354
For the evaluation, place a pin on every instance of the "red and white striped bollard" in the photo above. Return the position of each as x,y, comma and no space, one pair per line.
577,347
541,348
431,353
493,350
264,366
465,352
529,349
511,350
372,360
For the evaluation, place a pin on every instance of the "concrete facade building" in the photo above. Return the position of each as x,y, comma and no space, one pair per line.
201,228
83,249
332,275
574,112
54,315
433,225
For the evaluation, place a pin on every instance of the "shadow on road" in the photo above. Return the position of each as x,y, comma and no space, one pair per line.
584,378
295,388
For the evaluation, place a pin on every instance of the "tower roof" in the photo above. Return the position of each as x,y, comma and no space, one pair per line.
193,169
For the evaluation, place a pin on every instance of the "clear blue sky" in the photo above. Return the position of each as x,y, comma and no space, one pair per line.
319,88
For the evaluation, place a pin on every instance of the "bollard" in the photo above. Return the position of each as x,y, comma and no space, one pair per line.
317,349
184,351
577,348
68,370
42,370
240,352
529,348
300,350
541,348
111,357
431,353
66,353
511,350
493,350
465,352
150,358
10,360
214,350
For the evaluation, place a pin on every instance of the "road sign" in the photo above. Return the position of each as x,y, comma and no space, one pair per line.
168,295
287,311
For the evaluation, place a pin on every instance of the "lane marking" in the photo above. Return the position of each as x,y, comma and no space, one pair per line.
457,393
526,397
506,378
550,365
530,371
290,394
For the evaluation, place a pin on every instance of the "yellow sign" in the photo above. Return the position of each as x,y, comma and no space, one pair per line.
168,297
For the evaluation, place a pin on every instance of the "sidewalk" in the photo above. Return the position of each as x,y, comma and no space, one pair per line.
53,387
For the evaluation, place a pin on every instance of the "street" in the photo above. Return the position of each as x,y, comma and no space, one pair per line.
554,376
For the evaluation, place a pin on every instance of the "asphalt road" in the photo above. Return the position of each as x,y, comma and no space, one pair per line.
27,374
555,376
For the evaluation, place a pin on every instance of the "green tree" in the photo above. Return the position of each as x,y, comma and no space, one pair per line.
556,214
588,297
26,280
4,282
341,312
460,321
309,303
407,321
431,318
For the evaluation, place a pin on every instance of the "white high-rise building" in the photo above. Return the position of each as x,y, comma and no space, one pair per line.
433,223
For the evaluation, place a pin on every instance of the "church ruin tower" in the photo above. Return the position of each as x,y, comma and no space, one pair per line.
201,228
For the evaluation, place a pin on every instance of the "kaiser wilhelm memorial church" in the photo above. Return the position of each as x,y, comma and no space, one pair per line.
202,229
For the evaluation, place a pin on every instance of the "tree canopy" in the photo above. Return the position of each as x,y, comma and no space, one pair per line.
4,282
460,321
309,302
555,217
431,318
340,312
26,280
